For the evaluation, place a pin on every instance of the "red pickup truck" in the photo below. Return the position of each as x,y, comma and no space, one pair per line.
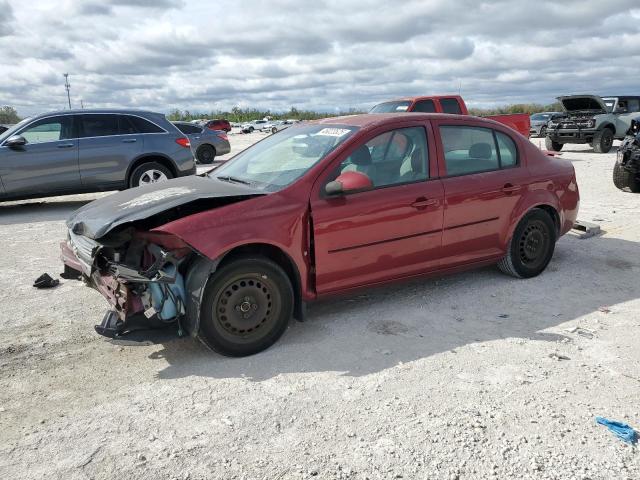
520,122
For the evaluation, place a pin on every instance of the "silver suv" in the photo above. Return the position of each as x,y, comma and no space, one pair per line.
592,119
90,150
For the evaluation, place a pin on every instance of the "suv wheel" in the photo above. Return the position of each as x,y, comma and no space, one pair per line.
625,180
206,153
148,173
551,145
602,141
531,247
543,131
246,307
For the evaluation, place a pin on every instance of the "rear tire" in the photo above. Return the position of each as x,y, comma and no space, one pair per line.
602,141
625,180
274,130
531,246
543,131
551,145
206,153
149,172
247,307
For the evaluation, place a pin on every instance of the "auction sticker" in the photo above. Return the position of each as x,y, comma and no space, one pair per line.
333,132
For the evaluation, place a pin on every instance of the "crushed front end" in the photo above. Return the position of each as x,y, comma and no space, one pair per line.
140,273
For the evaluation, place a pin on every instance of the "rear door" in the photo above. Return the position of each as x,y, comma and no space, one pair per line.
484,178
108,144
47,164
391,231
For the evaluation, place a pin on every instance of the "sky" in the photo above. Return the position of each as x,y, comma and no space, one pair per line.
320,55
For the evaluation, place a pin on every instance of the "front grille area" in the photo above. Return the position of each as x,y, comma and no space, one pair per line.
83,247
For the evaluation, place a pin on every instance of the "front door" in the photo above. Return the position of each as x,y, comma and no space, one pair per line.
391,231
47,164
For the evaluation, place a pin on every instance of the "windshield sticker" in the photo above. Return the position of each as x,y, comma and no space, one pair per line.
333,132
153,197
402,108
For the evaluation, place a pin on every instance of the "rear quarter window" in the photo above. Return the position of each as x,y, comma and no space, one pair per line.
450,105
144,126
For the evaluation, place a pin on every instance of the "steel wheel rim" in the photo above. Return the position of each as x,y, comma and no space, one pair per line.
246,307
152,176
533,244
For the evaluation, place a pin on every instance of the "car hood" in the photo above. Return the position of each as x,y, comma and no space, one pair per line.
574,103
101,216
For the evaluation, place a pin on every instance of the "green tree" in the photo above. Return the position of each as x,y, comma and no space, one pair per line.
9,115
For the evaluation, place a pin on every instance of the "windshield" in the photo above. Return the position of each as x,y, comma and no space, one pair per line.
13,129
541,116
282,158
391,107
609,102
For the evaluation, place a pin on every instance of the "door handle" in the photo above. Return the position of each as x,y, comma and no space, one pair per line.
130,140
423,202
65,145
510,188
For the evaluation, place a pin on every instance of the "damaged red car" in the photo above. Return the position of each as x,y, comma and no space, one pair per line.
315,210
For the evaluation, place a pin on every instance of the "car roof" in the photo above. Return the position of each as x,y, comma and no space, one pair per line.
421,97
99,110
373,119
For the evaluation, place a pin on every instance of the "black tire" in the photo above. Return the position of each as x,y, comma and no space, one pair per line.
543,131
143,170
531,247
625,180
246,308
551,145
251,129
206,153
274,130
602,141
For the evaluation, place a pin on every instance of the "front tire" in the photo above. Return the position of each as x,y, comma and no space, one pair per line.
551,145
625,180
602,141
206,154
247,307
148,173
274,130
531,246
543,131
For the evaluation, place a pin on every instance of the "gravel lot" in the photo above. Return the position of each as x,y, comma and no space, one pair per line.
453,378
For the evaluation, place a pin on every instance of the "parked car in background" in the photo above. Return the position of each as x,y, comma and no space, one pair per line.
594,120
253,125
449,104
539,122
90,150
321,209
206,144
218,124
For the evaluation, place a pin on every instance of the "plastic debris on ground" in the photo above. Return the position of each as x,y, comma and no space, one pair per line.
45,281
621,430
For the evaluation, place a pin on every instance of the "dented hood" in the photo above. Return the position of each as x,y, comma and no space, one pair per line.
574,103
99,217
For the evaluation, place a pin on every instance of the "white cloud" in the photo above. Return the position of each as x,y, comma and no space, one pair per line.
328,55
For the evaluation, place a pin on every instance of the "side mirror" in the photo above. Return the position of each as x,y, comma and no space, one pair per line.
16,141
349,182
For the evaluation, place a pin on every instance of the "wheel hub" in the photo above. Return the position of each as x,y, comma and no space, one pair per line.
533,244
244,306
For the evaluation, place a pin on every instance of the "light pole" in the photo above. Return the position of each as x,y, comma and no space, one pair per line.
68,87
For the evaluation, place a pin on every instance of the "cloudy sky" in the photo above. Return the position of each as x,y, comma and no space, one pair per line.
323,55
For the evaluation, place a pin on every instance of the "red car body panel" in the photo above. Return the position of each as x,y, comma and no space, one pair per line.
520,122
443,224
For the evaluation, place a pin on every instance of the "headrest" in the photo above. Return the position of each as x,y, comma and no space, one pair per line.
361,156
480,150
417,161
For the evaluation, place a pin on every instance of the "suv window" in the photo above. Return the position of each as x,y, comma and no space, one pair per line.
49,130
392,158
98,125
426,106
188,129
144,126
450,105
473,149
633,105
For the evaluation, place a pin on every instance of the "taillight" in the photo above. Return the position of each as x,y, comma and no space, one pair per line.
223,136
183,142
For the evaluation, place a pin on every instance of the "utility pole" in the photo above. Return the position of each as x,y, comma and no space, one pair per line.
81,104
68,87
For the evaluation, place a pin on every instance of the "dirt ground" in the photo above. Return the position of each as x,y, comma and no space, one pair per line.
471,376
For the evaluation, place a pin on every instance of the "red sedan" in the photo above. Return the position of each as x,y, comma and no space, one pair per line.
320,209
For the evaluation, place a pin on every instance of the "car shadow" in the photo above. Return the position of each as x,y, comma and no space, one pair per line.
381,328
46,210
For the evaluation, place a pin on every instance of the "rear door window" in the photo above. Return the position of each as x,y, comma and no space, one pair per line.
507,150
426,106
99,125
450,105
